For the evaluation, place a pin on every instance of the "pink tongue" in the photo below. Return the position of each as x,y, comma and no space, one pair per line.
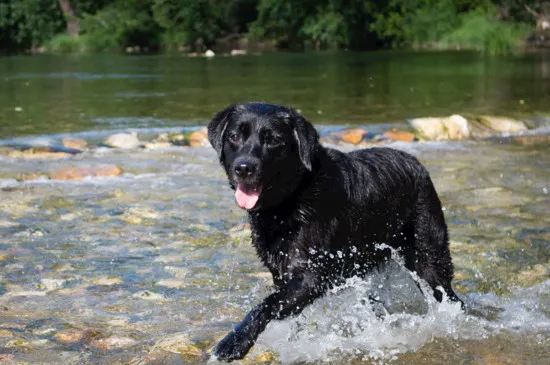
247,196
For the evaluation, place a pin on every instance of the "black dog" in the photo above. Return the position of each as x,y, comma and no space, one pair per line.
317,214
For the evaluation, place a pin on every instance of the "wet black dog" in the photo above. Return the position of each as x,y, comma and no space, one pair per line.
317,214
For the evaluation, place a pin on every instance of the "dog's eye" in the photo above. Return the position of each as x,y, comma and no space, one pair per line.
273,141
234,137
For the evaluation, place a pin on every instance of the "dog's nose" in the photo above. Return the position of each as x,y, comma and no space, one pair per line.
245,169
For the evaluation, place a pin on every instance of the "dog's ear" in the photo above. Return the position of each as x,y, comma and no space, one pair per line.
216,129
307,139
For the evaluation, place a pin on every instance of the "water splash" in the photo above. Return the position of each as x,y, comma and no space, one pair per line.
399,320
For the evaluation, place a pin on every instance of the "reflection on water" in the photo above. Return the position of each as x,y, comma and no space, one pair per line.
54,94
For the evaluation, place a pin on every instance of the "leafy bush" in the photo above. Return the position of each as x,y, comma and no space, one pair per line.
64,43
480,30
121,25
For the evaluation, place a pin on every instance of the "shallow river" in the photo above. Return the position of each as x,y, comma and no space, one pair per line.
154,266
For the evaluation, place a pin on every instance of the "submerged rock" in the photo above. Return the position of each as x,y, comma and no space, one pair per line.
148,295
112,343
77,336
181,344
107,280
79,173
399,136
352,136
454,127
122,140
75,143
265,357
32,176
501,124
534,275
199,138
37,152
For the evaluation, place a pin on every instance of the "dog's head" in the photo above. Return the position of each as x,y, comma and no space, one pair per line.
265,150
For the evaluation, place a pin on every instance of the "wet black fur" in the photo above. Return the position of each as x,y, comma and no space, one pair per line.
322,212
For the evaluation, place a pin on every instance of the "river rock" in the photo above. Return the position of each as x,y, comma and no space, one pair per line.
122,140
107,280
39,152
149,295
79,173
31,176
399,136
76,143
75,336
199,138
502,125
353,136
7,359
238,52
454,127
180,344
533,275
265,357
209,53
112,343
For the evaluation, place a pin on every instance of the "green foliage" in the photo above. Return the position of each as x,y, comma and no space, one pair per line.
27,24
64,43
494,25
120,25
195,22
480,30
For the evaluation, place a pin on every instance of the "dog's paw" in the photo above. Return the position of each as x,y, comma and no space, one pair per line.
232,347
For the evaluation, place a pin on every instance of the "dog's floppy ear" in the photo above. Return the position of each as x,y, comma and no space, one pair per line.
216,129
307,139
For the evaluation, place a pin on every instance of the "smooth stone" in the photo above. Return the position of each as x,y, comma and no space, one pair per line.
52,284
156,145
503,125
180,344
265,357
122,140
454,127
75,143
18,343
31,154
399,136
209,53
534,275
7,359
238,52
112,343
352,136
106,280
77,336
5,333
136,215
148,295
199,138
32,176
172,283
79,173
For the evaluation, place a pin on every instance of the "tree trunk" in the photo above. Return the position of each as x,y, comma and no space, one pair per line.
73,26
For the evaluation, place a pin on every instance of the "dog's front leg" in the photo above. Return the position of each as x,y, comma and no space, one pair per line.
291,298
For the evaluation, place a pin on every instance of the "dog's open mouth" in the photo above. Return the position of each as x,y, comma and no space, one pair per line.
247,195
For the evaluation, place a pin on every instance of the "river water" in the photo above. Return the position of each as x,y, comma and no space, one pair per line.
154,266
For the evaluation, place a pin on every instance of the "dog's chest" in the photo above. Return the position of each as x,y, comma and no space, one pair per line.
274,243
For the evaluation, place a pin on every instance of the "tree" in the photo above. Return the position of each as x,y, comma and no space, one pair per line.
73,26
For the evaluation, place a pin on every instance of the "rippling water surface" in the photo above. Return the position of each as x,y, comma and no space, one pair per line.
155,265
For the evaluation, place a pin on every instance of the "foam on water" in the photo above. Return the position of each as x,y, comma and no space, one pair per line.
400,319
